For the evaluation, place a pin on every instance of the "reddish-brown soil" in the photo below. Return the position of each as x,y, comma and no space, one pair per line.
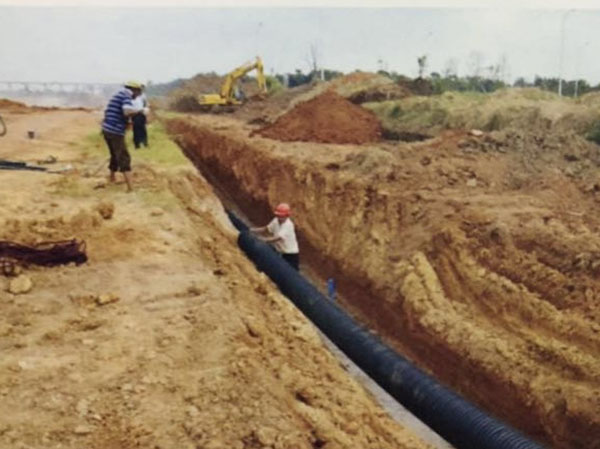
327,118
16,107
477,257
9,104
199,351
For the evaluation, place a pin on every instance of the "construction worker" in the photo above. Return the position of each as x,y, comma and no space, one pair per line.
282,235
116,115
140,135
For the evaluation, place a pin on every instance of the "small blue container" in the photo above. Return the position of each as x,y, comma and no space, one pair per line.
331,288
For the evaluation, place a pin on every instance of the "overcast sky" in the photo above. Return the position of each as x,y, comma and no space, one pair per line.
107,44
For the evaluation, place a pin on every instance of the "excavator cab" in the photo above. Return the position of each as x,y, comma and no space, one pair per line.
229,93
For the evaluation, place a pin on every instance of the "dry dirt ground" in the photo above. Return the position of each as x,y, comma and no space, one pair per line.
476,257
194,350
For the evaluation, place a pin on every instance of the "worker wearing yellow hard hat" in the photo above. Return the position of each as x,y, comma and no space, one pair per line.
133,84
116,117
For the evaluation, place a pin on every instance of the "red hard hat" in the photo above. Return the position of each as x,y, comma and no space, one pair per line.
283,210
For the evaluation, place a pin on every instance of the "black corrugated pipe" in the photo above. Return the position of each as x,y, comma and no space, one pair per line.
456,420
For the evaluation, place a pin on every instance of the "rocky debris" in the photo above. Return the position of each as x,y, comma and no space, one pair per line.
254,327
91,299
82,407
20,285
83,430
266,436
195,290
83,300
106,209
49,160
10,268
106,298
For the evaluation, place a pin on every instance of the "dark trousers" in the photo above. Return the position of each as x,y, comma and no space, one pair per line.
140,136
119,156
293,260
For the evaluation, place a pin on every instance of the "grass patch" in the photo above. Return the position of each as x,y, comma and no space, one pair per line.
162,150
505,108
593,133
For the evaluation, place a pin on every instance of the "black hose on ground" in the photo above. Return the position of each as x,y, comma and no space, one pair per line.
456,420
18,165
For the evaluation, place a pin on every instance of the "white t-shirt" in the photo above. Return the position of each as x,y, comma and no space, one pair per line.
288,243
140,102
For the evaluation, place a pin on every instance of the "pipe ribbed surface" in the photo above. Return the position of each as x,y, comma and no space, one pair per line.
456,420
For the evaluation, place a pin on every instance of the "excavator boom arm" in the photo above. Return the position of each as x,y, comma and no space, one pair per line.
233,76
226,93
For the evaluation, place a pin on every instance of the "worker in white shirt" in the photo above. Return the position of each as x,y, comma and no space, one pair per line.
281,233
140,135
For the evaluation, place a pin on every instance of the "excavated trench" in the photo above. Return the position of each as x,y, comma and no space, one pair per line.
422,271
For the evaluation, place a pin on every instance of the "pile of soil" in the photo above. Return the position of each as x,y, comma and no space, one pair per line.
18,107
356,78
418,86
378,93
328,118
10,105
5,103
185,98
265,111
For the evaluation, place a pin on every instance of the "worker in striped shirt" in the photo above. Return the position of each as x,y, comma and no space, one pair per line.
116,115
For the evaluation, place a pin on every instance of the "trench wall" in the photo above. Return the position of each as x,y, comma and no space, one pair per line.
439,293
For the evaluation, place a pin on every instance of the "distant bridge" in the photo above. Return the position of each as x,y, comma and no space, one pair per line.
58,87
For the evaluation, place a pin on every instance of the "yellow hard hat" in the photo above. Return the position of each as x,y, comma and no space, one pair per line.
133,84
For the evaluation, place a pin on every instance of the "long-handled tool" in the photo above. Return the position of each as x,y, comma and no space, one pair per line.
17,165
100,167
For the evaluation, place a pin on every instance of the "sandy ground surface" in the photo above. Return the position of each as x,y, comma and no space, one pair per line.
477,257
197,350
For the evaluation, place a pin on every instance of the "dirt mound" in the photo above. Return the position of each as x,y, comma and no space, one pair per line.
266,111
328,118
185,98
379,93
418,86
10,105
359,87
356,77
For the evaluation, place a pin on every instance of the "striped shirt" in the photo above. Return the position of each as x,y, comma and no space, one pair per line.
115,120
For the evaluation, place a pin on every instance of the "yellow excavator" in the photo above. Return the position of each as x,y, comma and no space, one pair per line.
229,94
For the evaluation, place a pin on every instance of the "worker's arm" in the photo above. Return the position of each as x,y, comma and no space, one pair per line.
129,110
271,239
132,107
264,229
259,230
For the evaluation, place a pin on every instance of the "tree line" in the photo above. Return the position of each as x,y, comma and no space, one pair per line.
441,83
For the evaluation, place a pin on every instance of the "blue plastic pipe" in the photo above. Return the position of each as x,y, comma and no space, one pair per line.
459,422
